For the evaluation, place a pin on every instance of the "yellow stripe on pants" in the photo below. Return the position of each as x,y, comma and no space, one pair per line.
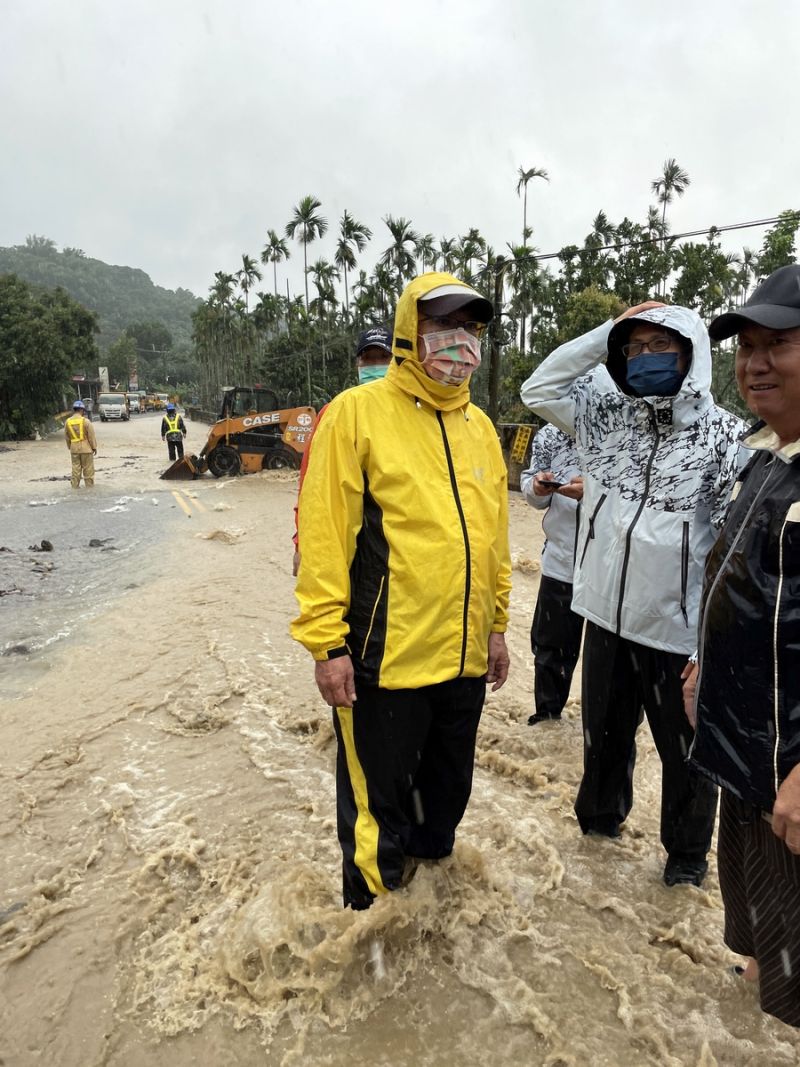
366,828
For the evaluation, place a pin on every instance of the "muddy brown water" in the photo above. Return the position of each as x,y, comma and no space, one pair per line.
169,874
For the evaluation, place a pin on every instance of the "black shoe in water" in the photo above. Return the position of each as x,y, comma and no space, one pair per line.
537,718
681,871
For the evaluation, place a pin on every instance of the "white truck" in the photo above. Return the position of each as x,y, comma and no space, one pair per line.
113,406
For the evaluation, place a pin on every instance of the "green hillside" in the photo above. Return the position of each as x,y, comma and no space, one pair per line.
119,295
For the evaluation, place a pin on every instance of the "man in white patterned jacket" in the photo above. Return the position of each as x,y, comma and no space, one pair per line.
553,483
659,459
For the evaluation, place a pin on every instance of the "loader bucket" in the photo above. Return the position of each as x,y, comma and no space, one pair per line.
183,469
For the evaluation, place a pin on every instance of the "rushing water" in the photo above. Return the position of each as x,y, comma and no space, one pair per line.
169,884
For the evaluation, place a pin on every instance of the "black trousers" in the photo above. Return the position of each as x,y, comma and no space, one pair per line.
175,448
556,644
760,882
403,778
620,679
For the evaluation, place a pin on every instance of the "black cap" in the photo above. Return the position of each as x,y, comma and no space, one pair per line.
774,304
374,337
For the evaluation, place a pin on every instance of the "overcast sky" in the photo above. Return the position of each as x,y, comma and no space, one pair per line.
171,134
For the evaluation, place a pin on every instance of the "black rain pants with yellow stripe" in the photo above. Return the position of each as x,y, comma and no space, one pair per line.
403,779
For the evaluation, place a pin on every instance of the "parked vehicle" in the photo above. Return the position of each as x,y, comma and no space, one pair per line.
133,403
113,406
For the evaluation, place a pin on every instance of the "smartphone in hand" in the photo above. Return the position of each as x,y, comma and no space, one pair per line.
550,485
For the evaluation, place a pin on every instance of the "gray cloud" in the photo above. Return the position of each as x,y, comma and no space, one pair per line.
171,135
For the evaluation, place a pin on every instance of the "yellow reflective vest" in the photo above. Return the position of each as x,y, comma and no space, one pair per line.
75,427
172,424
403,527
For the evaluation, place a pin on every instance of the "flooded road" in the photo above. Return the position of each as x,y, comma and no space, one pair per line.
169,873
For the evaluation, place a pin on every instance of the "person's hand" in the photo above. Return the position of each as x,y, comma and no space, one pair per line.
497,669
336,681
573,489
295,563
786,812
94,451
543,476
689,679
631,313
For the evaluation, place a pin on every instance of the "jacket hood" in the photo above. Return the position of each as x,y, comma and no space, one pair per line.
683,321
406,371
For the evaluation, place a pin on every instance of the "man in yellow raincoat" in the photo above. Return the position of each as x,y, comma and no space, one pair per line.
403,585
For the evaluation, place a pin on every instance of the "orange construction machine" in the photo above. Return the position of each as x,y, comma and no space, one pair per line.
251,434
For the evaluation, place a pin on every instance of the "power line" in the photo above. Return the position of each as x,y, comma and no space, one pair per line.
616,246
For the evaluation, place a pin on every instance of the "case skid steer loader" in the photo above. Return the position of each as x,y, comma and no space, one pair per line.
251,434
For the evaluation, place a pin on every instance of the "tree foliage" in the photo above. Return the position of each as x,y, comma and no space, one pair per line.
44,335
118,295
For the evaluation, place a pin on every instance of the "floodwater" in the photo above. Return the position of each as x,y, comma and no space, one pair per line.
169,873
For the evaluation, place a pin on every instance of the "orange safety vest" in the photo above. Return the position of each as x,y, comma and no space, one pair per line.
75,427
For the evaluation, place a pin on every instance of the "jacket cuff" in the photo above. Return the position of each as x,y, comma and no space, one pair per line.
331,653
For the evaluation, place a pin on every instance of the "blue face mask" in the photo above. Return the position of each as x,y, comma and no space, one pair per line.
655,374
372,372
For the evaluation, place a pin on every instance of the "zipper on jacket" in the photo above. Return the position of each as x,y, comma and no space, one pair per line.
684,571
775,677
704,616
629,535
575,539
590,534
467,556
372,617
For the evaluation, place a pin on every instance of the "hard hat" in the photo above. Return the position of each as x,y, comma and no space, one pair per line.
79,406
170,407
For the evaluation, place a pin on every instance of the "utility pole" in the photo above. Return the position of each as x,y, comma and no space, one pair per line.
495,329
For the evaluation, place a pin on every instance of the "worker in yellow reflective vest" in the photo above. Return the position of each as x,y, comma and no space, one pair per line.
173,431
82,444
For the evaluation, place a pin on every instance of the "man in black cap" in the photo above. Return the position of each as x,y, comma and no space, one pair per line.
373,353
373,356
747,679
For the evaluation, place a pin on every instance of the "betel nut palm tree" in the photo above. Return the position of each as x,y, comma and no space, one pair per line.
401,254
274,251
673,181
524,177
306,225
247,275
353,236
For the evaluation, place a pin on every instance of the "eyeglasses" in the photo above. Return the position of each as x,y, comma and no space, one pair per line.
658,344
447,323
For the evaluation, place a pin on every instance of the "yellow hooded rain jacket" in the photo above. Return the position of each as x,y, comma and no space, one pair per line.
403,525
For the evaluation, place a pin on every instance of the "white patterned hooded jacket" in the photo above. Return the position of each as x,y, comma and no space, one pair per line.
658,472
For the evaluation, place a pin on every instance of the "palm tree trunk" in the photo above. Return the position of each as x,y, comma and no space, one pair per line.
346,293
305,264
275,278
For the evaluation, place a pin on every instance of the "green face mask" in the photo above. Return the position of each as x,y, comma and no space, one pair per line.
372,373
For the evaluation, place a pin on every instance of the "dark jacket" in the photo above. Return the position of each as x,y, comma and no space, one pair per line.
175,435
748,696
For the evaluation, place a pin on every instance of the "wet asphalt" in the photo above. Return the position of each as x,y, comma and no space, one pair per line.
96,547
